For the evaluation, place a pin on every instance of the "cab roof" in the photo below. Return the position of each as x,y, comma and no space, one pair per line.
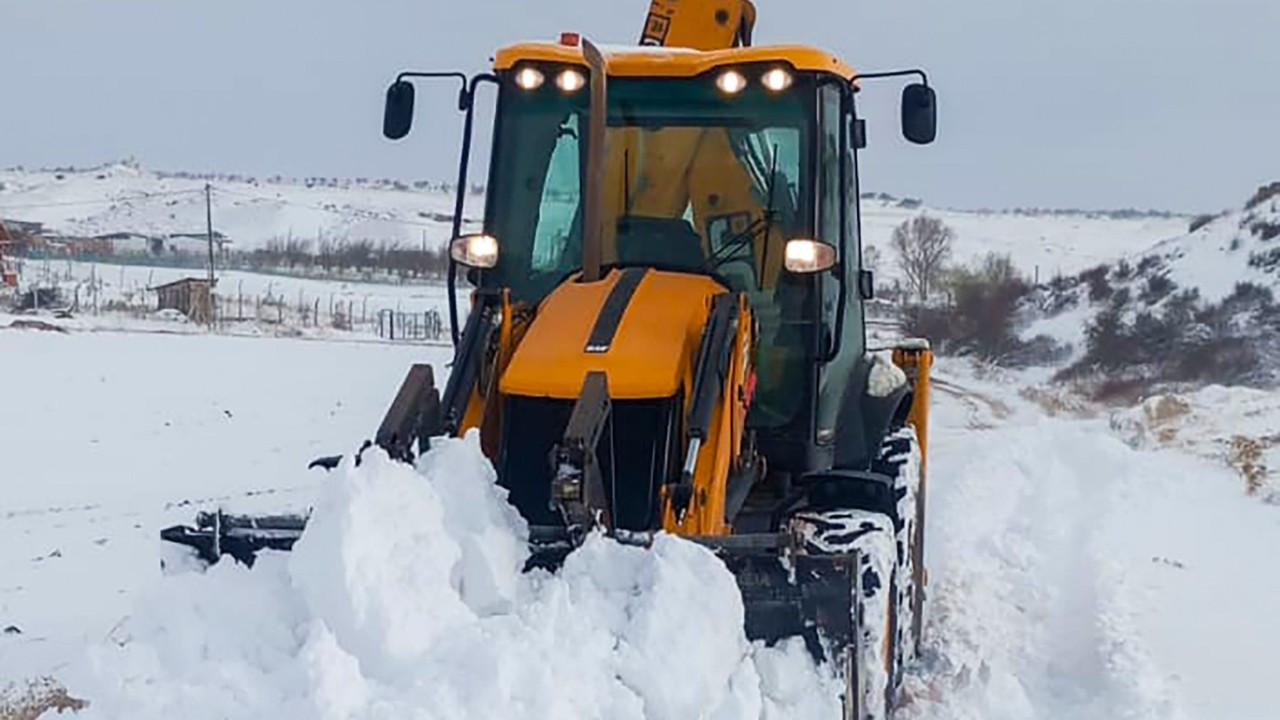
640,61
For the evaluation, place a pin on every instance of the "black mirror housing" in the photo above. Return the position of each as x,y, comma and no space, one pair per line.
397,118
866,284
919,113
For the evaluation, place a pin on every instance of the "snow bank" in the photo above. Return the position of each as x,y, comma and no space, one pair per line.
1233,425
405,598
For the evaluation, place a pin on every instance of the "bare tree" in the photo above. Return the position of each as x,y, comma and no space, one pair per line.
923,245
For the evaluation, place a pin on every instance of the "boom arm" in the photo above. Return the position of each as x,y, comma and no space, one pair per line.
699,24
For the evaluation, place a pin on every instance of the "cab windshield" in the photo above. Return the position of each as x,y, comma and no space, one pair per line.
696,180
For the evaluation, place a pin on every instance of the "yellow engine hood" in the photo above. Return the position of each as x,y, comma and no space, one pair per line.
651,348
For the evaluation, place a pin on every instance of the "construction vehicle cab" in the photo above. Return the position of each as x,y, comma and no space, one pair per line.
739,165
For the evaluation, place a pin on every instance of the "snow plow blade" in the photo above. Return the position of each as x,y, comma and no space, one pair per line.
787,594
414,417
809,597
242,537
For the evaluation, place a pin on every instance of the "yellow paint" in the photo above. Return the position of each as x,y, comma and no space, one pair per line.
651,352
722,450
674,62
696,24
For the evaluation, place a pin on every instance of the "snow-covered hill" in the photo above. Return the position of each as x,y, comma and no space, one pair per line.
123,198
1207,297
1043,244
1236,247
250,212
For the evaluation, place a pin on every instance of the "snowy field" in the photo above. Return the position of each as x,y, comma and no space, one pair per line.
1074,573
121,297
109,436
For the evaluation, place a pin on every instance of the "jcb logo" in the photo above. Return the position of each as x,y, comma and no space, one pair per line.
656,28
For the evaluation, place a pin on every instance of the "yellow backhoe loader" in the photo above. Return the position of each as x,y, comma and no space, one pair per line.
666,329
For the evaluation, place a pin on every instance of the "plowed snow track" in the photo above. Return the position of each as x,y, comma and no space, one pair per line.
1074,577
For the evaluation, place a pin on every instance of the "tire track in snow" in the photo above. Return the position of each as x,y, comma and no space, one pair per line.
1026,620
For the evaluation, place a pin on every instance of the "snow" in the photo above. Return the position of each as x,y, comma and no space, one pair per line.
885,377
1076,577
125,198
1072,574
405,595
1234,426
108,437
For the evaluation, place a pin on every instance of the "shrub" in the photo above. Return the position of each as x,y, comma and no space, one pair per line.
986,301
1148,264
1099,287
1156,289
1265,230
1200,221
1264,193
1267,260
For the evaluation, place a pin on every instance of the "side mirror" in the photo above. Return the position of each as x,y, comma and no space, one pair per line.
803,256
866,284
397,117
919,113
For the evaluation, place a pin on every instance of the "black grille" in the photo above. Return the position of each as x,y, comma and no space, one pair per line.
639,450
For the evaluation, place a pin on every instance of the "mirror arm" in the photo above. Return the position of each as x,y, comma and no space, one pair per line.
464,95
924,79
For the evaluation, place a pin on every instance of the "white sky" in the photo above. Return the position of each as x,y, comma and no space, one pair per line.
1094,103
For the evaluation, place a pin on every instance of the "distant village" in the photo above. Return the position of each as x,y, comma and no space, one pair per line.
23,238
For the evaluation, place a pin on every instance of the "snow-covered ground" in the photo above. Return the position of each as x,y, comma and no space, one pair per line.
1076,577
111,296
1073,575
106,437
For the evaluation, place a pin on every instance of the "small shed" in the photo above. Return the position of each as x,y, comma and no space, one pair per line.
189,296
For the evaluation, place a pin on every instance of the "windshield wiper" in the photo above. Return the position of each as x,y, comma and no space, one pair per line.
748,235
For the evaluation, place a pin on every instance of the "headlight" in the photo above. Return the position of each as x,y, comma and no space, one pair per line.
570,80
808,256
529,78
731,82
476,251
776,80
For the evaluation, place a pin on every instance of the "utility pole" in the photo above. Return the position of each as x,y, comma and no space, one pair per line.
208,217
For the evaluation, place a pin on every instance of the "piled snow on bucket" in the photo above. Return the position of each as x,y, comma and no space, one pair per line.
405,599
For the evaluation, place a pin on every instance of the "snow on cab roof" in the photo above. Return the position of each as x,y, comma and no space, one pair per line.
674,62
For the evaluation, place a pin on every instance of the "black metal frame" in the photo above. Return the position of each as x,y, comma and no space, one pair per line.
467,105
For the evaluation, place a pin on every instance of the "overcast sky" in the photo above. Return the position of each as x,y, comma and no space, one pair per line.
1065,103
